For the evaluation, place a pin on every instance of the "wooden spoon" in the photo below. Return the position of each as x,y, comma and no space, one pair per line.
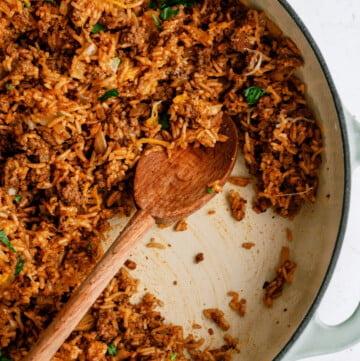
166,189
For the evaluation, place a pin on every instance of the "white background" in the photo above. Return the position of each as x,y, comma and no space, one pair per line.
335,26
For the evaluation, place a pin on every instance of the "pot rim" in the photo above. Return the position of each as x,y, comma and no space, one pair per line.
347,180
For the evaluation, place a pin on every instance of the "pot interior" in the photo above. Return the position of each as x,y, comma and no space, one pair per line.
227,266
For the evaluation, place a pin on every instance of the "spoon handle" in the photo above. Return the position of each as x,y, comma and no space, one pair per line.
73,311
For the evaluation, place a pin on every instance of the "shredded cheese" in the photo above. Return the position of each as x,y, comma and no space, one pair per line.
180,99
121,4
154,141
153,121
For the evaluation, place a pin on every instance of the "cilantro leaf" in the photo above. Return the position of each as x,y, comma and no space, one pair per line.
209,190
156,21
253,94
164,121
97,28
26,5
9,86
19,266
167,13
5,240
112,350
166,7
152,4
17,199
109,94
3,358
173,356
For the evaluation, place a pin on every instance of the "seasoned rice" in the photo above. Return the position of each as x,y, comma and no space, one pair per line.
85,85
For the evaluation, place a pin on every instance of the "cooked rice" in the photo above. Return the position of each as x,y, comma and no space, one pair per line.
181,226
218,317
236,304
67,149
240,181
247,245
284,274
237,204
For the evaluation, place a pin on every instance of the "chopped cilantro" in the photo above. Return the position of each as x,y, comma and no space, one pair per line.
5,240
155,4
164,121
166,7
26,5
17,198
19,265
156,21
88,245
97,28
9,86
173,356
209,190
112,350
49,1
59,114
167,13
109,94
3,358
253,94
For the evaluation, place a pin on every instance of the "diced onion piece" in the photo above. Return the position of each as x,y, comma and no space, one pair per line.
153,121
11,191
91,50
45,120
31,124
100,144
114,64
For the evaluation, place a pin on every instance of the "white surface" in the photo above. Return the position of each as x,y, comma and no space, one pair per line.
335,26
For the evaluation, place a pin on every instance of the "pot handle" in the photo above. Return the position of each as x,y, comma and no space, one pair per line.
353,125
320,339
317,337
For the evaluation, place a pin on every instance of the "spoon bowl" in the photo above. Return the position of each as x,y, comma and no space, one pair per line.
166,189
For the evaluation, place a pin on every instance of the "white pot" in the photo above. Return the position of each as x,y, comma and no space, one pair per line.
264,333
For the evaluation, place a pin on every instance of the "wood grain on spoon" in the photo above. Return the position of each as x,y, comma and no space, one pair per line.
166,189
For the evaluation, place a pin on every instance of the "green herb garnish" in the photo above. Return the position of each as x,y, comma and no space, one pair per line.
17,198
156,4
9,86
49,1
156,21
5,240
164,121
88,245
253,94
167,13
166,7
19,265
97,28
3,358
173,356
26,5
59,114
209,190
112,350
109,94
